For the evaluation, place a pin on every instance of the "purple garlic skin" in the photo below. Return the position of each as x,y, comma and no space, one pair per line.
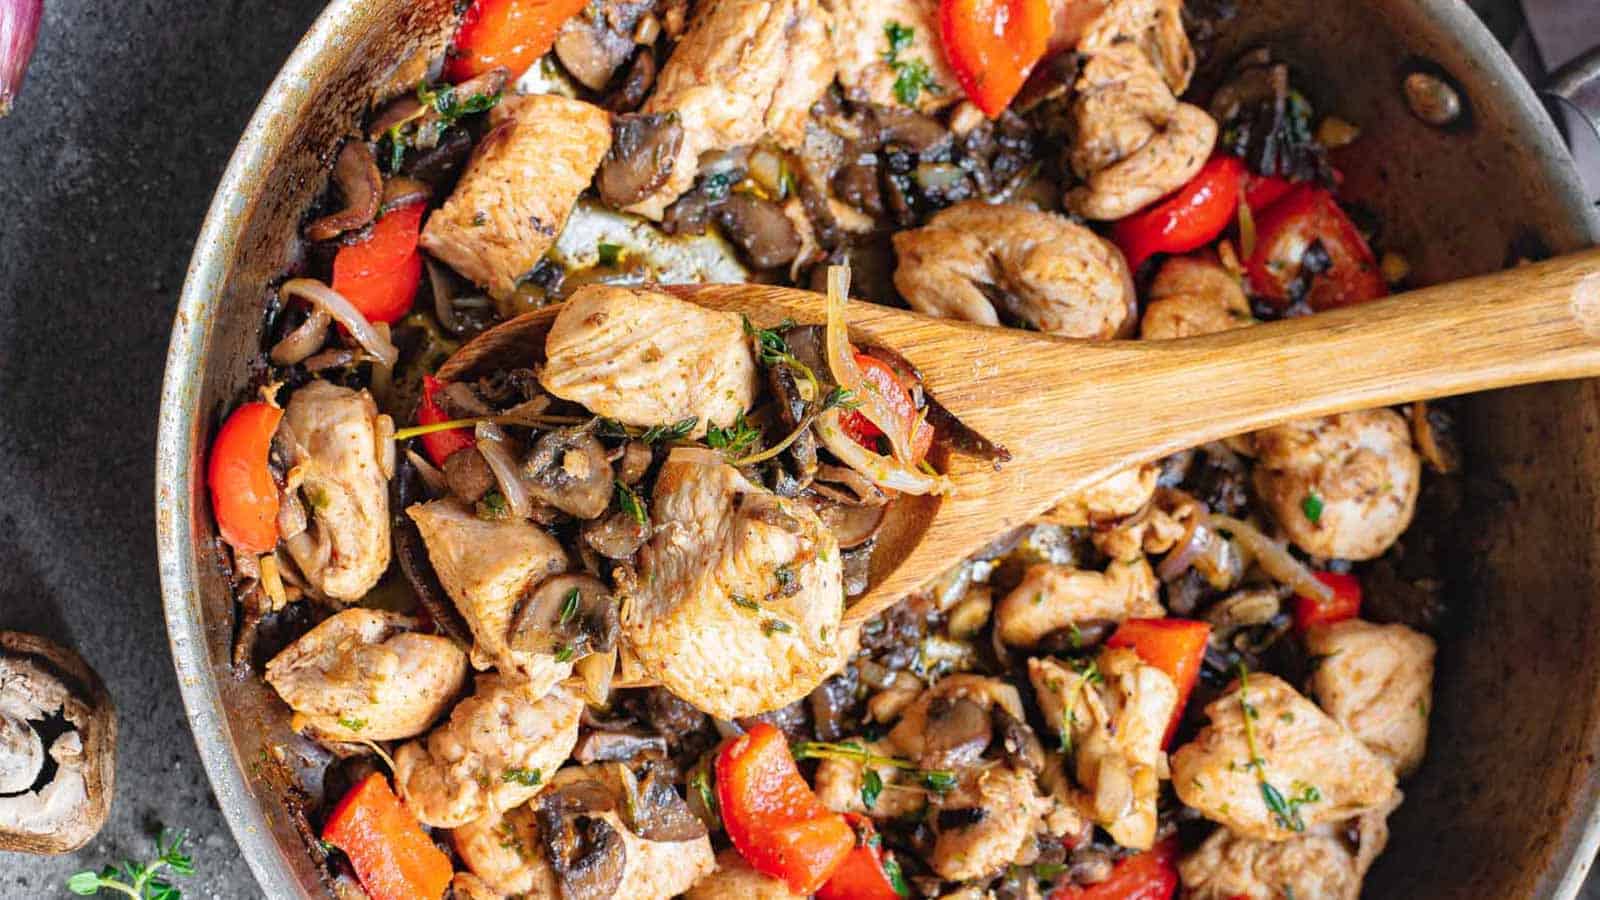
19,31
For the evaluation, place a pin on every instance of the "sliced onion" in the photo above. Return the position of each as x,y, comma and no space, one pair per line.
444,307
492,444
272,582
1183,554
300,343
528,413
883,471
1274,558
437,484
596,670
842,363
324,297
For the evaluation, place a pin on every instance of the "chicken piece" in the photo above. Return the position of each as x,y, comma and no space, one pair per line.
487,568
986,823
340,455
1113,718
1320,865
1051,597
867,61
1133,143
1108,500
603,843
506,852
495,753
1377,681
467,886
514,197
977,261
1155,27
646,358
1314,764
363,674
735,880
1192,296
743,71
740,594
1343,486
1165,522
948,726
838,785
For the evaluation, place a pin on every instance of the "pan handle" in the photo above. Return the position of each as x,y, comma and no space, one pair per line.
1577,84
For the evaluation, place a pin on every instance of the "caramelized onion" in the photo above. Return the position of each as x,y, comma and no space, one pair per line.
300,343
842,363
1274,558
326,298
492,444
883,471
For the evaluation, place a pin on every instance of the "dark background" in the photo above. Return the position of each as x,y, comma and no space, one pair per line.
106,169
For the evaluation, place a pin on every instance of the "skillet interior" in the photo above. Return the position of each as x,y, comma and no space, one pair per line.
1505,805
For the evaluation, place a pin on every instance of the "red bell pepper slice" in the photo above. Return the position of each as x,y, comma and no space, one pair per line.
1284,232
1186,220
1175,646
393,858
992,45
1261,191
244,495
893,388
864,875
773,819
380,275
1344,604
1151,875
510,33
441,445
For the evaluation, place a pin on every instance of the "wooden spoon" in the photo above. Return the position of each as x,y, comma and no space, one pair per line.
1072,412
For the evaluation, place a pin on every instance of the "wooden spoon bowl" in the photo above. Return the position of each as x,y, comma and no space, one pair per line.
1073,412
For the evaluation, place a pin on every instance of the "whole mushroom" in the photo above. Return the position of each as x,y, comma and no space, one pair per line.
58,735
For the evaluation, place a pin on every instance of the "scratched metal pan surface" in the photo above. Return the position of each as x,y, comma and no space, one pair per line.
1505,807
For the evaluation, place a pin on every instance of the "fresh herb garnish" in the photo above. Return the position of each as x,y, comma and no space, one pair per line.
775,626
565,654
1285,810
1312,507
492,507
676,431
911,76
630,502
939,780
610,254
700,783
569,607
743,602
897,878
871,787
785,577
449,107
140,882
734,440
352,723
524,777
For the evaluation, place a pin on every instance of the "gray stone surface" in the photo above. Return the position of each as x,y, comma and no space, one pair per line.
106,169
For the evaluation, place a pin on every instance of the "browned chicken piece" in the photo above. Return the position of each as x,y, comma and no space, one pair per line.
340,454
1377,681
1134,143
518,189
1112,718
498,749
467,886
1051,597
740,594
743,71
364,674
978,261
948,726
838,785
986,823
506,852
646,358
487,568
1155,27
1344,486
1311,767
868,66
1117,497
1320,864
1166,521
1192,296
735,880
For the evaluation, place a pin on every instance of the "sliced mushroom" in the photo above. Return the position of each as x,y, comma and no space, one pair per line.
53,799
657,812
586,850
468,474
617,536
759,228
957,733
590,50
852,525
568,469
634,461
643,147
360,184
1017,742
617,746
570,615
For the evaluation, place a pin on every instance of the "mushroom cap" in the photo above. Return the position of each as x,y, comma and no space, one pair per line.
41,681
